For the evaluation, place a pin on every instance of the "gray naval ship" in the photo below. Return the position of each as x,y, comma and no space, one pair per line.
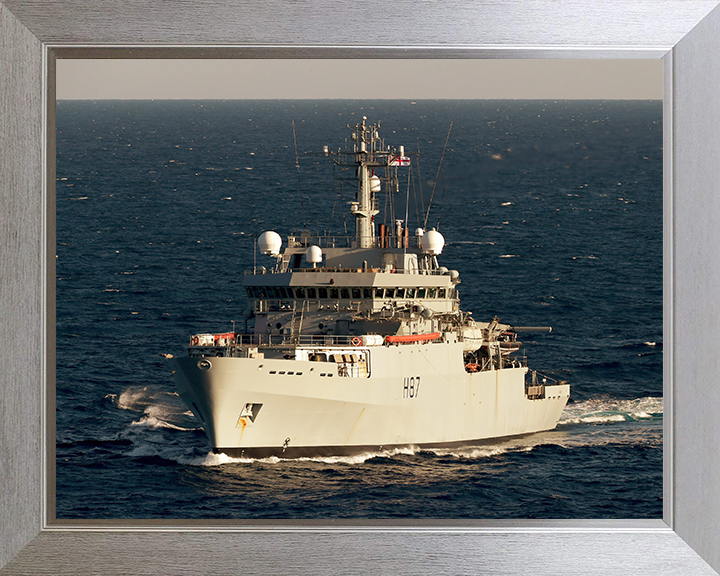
360,344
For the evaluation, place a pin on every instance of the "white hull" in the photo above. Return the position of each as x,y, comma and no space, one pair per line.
360,346
418,394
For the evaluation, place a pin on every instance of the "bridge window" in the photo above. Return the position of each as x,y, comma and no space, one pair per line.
333,293
344,293
400,293
431,293
311,292
421,293
322,292
410,293
390,293
367,292
356,292
379,292
300,292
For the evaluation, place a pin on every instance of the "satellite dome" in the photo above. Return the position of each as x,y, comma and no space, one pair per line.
314,255
433,242
270,243
375,185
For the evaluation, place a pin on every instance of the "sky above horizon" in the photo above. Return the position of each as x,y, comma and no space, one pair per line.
227,79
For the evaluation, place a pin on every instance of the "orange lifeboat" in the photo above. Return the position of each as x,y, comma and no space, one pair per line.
410,338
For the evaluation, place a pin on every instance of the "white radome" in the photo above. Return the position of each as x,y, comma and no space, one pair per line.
433,242
269,243
314,255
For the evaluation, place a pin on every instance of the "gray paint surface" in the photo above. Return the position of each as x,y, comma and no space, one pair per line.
31,542
407,23
21,299
695,304
328,78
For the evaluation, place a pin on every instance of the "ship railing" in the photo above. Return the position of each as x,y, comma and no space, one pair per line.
392,241
538,379
326,340
273,305
266,340
261,270
515,360
239,340
507,362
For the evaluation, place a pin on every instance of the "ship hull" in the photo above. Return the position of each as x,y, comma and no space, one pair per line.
410,395
355,450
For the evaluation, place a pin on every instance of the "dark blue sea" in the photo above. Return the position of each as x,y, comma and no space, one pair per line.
552,213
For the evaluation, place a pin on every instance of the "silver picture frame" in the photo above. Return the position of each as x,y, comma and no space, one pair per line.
684,33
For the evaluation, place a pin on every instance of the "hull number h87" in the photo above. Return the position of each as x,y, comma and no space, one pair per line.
411,386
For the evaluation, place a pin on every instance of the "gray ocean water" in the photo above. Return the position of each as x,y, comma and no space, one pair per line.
552,213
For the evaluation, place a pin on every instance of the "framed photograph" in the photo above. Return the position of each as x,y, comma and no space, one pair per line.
36,542
544,188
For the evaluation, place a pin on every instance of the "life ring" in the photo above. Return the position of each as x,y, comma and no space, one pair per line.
195,341
356,341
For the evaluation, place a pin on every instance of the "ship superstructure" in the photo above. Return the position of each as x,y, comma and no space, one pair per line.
359,343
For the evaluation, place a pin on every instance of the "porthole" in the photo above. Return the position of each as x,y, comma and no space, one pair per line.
204,365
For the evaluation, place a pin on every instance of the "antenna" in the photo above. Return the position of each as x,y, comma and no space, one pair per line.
419,179
297,165
415,197
442,199
407,204
437,176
